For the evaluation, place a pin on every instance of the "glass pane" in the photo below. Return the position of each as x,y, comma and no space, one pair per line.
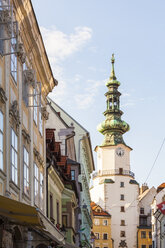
1,160
1,142
1,121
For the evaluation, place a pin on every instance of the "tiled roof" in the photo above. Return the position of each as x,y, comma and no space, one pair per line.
162,186
57,146
62,161
94,207
50,134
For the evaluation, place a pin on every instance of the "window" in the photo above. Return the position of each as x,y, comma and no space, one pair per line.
26,171
122,197
35,103
40,123
141,210
13,63
72,174
51,205
120,171
64,220
121,184
122,234
105,236
58,212
97,235
41,191
97,222
1,140
143,246
143,220
150,246
105,222
143,234
122,223
122,209
36,184
150,235
14,157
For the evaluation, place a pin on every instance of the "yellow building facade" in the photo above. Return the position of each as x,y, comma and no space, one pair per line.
101,227
144,238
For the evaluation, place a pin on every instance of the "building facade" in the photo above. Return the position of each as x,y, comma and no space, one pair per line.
84,156
145,226
114,187
158,218
25,81
101,227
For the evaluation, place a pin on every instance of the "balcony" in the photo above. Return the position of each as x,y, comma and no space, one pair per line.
114,172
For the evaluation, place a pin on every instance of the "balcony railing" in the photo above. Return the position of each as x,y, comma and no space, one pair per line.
114,172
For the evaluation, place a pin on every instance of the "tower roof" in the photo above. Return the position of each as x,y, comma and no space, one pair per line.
113,127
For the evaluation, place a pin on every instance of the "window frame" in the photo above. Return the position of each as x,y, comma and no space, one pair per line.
122,234
96,222
26,170
105,236
122,223
121,184
14,154
97,235
36,184
40,124
72,176
143,234
1,139
122,198
13,60
122,209
35,106
105,221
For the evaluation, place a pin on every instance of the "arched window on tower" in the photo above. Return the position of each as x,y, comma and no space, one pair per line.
115,103
110,103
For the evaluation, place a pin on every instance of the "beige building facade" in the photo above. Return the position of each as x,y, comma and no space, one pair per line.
25,81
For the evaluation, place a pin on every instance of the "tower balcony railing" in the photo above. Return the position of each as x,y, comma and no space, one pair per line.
114,172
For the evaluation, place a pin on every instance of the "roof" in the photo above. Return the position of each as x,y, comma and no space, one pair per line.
101,212
143,194
50,134
62,161
50,100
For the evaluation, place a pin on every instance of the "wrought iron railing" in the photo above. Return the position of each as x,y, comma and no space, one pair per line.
114,172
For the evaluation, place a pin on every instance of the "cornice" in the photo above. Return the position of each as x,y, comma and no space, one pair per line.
38,156
54,176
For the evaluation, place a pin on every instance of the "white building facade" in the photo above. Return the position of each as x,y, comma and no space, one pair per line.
114,187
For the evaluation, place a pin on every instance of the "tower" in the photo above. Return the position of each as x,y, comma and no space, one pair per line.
114,187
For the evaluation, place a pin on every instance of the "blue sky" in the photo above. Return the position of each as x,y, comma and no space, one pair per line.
80,37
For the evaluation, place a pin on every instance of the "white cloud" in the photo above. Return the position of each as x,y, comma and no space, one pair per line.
60,45
87,98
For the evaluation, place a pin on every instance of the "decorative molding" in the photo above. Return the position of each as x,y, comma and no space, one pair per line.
38,156
21,53
44,113
6,18
3,97
29,76
14,115
26,136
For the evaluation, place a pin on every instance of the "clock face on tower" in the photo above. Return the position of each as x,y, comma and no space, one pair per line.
120,151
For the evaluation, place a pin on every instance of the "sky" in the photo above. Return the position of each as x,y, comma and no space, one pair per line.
80,37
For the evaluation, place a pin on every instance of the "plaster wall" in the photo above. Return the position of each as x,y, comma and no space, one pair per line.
108,195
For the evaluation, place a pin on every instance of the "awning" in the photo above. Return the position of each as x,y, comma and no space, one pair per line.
19,213
23,214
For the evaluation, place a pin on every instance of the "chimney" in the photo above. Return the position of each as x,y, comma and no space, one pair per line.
143,188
